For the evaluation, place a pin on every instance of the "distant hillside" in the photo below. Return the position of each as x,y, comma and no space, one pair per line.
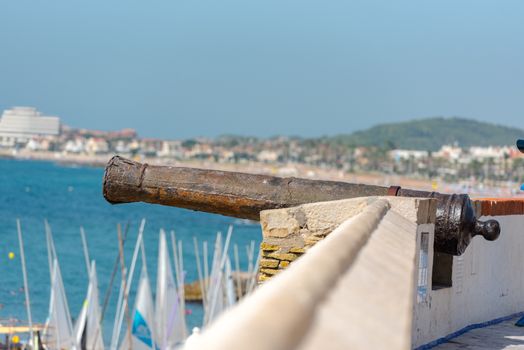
431,134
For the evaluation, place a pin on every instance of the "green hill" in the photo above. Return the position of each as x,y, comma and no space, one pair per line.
431,134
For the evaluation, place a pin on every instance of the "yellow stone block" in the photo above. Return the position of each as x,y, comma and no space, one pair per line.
312,240
268,247
283,264
269,263
262,277
283,256
297,250
270,272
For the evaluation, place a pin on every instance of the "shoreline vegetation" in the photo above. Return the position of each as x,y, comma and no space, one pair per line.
494,188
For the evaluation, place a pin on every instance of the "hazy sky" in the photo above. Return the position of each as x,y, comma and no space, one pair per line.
183,68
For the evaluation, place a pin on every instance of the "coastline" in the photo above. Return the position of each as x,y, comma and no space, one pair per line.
276,169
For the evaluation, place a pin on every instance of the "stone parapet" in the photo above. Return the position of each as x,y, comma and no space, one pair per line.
288,233
355,289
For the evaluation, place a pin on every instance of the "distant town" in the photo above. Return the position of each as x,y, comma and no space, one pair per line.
27,133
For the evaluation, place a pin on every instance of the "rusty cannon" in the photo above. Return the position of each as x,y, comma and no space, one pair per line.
244,195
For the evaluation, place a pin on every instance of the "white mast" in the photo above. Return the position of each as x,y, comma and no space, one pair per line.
119,316
215,293
199,271
86,251
26,286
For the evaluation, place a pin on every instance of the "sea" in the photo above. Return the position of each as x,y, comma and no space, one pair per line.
69,197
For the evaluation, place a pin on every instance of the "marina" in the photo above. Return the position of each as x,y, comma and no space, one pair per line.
84,206
218,291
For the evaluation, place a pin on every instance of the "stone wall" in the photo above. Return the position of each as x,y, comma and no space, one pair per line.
355,289
289,233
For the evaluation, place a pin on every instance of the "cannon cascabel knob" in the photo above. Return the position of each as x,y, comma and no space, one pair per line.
489,229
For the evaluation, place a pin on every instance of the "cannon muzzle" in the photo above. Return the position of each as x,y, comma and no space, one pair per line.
244,195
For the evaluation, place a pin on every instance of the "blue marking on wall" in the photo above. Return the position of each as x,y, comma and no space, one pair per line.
466,329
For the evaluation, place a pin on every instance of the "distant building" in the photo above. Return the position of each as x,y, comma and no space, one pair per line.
268,156
406,154
449,152
497,153
96,145
19,125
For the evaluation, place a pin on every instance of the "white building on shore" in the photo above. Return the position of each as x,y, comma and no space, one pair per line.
21,124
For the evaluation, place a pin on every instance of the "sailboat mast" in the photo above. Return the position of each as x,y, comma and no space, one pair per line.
119,316
199,271
126,294
237,270
24,273
86,251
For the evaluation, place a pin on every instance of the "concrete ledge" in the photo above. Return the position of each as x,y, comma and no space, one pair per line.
352,290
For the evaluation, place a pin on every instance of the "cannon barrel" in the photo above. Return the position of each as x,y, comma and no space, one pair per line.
244,195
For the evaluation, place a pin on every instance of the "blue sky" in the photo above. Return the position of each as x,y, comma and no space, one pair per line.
179,68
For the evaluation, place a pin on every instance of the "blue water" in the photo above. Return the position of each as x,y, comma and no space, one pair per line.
70,197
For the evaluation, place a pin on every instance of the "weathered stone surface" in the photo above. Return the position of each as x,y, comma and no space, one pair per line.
269,247
297,250
262,277
321,234
290,232
269,263
270,272
283,264
283,256
312,240
314,217
278,224
266,253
